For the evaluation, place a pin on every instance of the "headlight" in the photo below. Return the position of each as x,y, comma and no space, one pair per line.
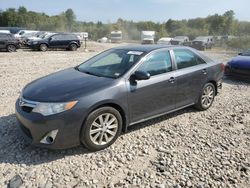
47,109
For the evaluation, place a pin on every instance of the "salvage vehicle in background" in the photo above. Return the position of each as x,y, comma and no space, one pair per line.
8,42
165,40
180,40
203,42
62,40
116,36
239,66
91,104
20,33
148,37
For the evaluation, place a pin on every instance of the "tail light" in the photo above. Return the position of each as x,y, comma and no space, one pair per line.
222,66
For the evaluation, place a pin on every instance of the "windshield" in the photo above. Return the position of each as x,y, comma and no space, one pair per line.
47,36
111,64
246,53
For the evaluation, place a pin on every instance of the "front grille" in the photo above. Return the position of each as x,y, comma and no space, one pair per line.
25,130
27,109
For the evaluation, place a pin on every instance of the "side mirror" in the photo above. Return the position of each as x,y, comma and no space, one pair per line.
141,75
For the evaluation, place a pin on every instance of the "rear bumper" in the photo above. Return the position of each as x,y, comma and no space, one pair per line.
36,127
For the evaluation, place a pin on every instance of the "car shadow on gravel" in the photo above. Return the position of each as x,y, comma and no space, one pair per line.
160,119
14,149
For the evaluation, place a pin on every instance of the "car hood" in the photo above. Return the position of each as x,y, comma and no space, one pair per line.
242,62
63,86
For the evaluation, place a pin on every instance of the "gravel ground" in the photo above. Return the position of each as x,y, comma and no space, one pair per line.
184,149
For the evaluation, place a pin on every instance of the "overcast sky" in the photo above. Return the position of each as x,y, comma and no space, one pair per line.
136,10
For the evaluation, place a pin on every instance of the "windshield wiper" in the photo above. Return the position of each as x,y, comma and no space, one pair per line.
91,73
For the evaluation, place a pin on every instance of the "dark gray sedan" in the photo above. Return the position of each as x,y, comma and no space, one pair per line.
94,102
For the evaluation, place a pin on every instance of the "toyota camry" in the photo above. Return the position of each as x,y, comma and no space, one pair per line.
93,103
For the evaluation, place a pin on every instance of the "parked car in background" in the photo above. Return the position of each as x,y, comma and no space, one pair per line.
24,38
239,66
203,42
22,32
39,36
116,36
63,41
165,40
148,37
13,30
103,40
94,102
8,42
180,40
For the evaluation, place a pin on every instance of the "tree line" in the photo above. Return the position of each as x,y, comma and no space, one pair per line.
225,24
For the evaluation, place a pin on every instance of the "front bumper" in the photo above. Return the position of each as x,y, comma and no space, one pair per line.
36,126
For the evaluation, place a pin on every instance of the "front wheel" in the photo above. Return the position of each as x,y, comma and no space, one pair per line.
206,97
101,129
43,47
11,48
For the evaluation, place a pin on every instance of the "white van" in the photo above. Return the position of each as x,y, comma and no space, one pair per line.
148,37
5,31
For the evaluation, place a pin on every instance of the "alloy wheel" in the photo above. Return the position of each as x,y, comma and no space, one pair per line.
103,129
11,48
207,96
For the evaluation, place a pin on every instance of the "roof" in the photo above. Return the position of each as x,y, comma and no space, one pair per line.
143,48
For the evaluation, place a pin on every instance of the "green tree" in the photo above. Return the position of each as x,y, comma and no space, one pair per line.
70,17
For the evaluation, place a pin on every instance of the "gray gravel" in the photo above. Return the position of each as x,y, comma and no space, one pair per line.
184,149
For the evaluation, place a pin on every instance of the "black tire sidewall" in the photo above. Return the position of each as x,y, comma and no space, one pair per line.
73,47
84,136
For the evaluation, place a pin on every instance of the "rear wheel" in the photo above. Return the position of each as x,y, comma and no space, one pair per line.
11,48
206,97
73,47
101,129
43,47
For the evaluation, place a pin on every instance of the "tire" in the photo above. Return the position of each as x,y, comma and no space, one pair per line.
43,47
73,47
206,97
103,135
11,48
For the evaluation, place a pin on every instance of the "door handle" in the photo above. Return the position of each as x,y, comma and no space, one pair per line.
204,71
171,80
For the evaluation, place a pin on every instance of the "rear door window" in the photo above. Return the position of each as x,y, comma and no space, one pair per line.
186,58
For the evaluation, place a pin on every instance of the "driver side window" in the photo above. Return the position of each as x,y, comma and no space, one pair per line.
157,63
